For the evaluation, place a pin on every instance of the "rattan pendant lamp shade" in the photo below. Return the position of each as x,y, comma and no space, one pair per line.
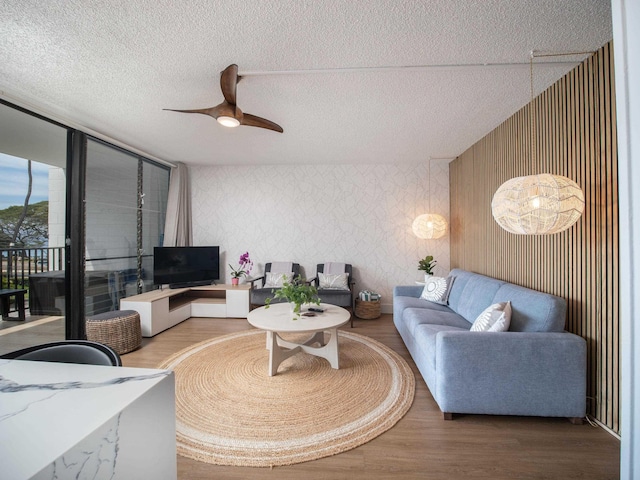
539,204
429,225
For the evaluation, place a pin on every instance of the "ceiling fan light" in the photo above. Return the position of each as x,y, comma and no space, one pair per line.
429,226
228,121
537,204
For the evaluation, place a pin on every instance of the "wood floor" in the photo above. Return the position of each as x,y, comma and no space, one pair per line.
422,444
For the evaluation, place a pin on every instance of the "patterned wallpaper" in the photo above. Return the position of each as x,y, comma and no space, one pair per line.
358,214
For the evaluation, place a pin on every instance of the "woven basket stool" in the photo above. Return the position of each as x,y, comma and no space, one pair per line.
367,310
119,329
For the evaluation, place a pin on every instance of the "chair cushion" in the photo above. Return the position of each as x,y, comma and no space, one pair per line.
341,298
275,279
258,296
338,281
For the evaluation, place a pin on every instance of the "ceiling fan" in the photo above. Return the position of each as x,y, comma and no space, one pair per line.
228,113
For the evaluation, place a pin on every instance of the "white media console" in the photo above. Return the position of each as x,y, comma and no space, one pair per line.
162,309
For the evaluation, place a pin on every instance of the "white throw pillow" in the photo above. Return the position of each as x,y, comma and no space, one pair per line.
334,282
437,289
495,318
275,279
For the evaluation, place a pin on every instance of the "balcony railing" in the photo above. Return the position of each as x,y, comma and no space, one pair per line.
18,263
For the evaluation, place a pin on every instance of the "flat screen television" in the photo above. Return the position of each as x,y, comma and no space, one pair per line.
185,266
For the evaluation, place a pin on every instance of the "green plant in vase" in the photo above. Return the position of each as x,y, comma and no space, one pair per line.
427,264
297,292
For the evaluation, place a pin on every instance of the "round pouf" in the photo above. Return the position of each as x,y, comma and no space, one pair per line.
119,330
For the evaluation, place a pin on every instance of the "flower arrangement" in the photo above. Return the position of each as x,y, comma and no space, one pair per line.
297,292
427,264
244,268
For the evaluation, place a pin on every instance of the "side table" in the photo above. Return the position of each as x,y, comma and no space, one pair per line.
5,296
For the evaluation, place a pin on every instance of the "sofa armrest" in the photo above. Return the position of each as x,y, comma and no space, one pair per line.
511,373
408,291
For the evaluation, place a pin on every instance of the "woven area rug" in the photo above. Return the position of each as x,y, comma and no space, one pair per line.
230,412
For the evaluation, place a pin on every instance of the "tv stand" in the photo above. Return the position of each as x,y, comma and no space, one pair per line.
201,283
162,309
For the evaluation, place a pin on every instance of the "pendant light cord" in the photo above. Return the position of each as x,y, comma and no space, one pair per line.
532,130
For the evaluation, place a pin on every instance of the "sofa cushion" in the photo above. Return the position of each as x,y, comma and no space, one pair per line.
478,293
433,316
437,290
400,303
425,337
533,311
494,318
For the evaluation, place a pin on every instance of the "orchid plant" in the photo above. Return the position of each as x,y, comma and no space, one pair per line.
244,268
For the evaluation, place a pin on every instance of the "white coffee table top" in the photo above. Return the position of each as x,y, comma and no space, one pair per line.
278,318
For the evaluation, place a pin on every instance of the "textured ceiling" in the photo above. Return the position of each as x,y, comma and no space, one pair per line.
387,85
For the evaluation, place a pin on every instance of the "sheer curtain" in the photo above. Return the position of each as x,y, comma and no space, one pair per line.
177,231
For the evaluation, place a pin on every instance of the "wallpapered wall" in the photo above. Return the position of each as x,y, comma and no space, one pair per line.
310,214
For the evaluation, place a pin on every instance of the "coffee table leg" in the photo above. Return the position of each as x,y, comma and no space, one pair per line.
331,347
277,354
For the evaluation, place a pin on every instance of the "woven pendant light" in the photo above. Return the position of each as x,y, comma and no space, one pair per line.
537,204
429,225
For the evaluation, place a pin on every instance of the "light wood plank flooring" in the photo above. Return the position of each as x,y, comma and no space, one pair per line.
422,444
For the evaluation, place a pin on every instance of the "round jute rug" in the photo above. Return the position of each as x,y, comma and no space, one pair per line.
230,412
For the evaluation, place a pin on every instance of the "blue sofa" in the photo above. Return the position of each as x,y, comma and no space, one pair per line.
536,368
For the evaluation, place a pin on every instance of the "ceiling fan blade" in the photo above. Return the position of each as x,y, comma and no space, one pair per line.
253,121
215,112
204,111
229,82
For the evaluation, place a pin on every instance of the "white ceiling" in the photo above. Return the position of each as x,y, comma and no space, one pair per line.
112,66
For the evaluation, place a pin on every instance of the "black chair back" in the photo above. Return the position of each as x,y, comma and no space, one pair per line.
68,351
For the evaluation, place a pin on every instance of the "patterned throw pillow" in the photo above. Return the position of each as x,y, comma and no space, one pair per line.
495,318
334,282
274,280
437,290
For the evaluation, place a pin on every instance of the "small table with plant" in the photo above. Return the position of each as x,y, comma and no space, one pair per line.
278,318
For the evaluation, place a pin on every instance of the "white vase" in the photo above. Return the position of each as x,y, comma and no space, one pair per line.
427,277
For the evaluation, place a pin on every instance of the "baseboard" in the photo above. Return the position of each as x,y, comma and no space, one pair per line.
386,307
605,428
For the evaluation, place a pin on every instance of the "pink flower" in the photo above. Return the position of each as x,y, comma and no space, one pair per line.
245,266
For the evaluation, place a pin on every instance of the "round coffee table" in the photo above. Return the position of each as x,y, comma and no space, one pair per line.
278,318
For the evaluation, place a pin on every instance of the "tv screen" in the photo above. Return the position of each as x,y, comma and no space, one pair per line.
186,265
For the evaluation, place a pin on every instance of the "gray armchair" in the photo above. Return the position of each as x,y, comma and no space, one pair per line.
68,351
261,290
336,296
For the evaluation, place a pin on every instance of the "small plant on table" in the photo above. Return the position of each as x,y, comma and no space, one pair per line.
427,264
297,292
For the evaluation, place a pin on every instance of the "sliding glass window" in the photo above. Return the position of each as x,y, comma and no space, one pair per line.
125,207
33,161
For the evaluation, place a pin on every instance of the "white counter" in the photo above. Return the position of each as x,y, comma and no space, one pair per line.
64,421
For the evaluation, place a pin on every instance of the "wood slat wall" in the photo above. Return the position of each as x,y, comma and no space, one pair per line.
575,136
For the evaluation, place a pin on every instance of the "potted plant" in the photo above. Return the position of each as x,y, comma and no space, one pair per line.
427,264
297,293
243,269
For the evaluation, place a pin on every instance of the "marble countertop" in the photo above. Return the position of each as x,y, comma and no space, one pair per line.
48,408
